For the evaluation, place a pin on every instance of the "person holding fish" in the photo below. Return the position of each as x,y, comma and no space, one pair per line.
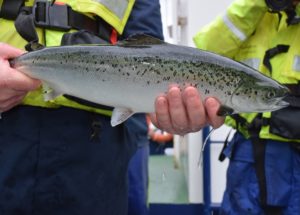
62,156
263,174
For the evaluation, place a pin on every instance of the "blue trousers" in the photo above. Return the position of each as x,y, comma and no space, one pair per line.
63,161
138,182
282,170
145,18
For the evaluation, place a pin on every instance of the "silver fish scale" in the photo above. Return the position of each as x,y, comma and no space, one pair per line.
133,76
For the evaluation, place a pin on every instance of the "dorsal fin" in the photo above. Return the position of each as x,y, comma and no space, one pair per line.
140,40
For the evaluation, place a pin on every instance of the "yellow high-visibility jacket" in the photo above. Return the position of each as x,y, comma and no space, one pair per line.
244,33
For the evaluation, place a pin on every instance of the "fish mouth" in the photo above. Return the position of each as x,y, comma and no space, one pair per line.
284,100
280,102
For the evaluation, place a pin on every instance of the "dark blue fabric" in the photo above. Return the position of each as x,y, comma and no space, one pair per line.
282,164
138,182
145,18
50,165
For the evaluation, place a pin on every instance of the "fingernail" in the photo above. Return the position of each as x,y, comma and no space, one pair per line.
161,101
211,102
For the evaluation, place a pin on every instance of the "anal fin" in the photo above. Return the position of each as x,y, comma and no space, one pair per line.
120,115
49,93
225,111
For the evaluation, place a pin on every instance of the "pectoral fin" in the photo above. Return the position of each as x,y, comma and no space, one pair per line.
49,93
225,111
120,115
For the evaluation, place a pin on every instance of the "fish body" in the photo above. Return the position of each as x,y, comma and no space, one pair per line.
130,75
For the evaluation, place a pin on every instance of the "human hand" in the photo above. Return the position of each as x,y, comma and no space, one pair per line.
14,85
184,112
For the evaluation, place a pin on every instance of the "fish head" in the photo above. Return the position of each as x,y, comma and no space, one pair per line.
259,96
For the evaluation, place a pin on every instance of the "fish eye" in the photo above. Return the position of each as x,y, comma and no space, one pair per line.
270,94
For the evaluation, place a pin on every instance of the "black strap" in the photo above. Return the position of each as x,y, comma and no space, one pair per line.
240,121
88,103
294,89
293,98
259,147
10,8
24,25
292,19
294,101
62,17
46,14
272,52
222,155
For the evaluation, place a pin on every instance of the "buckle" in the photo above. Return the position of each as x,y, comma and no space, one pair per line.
52,16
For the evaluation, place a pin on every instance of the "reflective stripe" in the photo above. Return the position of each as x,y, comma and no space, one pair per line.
235,30
118,7
296,63
252,62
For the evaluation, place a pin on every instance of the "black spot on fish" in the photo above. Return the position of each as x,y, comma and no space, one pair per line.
191,71
144,73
